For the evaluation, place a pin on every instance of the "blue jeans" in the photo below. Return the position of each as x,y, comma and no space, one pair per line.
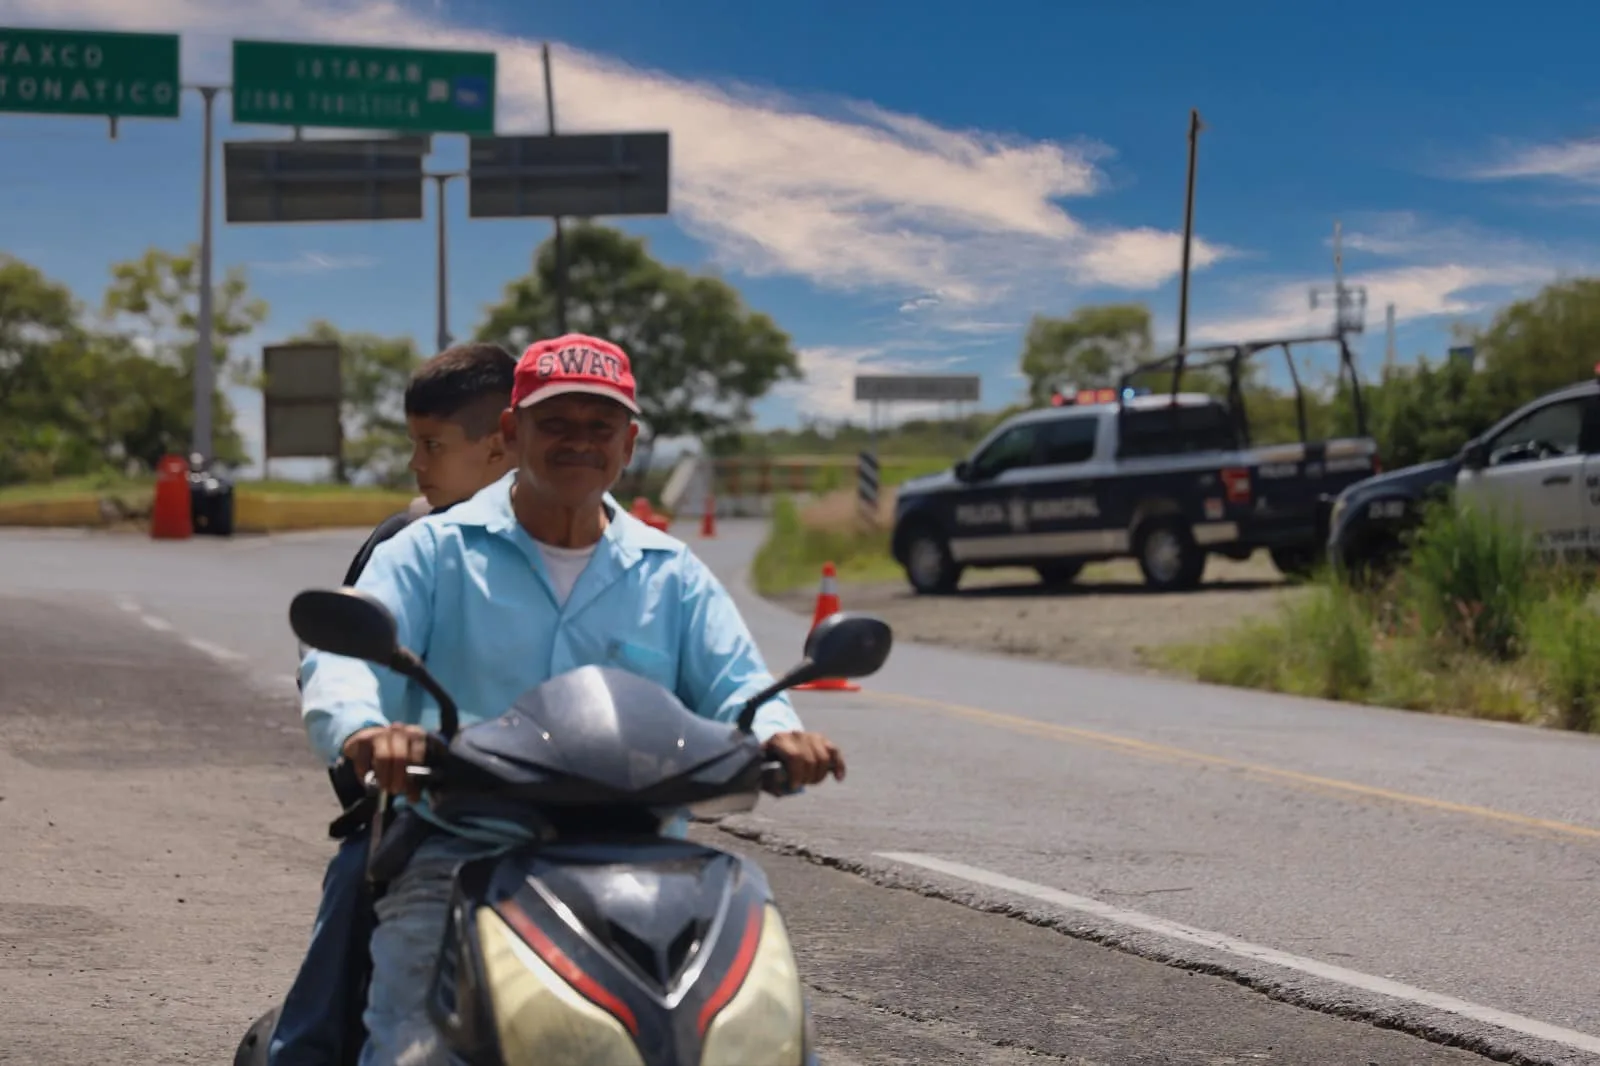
313,1025
405,947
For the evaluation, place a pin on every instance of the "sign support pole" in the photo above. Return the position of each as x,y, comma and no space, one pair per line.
444,294
561,252
204,364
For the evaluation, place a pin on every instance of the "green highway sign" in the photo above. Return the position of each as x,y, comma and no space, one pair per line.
67,72
281,84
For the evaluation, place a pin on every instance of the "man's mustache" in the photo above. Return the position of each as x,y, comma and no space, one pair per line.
594,459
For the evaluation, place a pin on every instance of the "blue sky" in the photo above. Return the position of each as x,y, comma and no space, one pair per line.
902,186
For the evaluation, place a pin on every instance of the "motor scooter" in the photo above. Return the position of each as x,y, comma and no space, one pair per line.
601,942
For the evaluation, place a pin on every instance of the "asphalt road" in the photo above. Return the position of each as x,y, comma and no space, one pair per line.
1316,851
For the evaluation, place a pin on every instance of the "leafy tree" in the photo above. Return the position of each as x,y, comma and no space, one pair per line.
154,301
1089,349
1534,346
40,339
142,408
77,401
699,356
160,293
374,371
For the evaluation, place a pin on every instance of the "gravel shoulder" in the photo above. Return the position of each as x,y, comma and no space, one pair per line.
1107,618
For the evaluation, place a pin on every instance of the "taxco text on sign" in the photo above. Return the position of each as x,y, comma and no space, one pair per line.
349,87
66,72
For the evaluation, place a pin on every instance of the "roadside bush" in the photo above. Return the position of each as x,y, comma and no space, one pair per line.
1472,578
1321,645
1564,644
1474,623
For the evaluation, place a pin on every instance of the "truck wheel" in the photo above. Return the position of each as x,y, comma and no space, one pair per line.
929,567
1294,562
1168,556
1059,573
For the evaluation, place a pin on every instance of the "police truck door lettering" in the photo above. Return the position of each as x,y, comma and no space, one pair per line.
1064,508
980,514
1018,513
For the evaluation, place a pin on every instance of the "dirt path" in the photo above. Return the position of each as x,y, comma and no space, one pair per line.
1105,619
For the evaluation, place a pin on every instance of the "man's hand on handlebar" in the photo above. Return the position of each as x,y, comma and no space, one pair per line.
386,751
809,757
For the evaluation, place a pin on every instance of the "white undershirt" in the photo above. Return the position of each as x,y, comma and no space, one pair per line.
563,565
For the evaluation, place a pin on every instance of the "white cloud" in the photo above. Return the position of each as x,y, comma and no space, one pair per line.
1416,292
828,390
1573,160
1448,270
849,196
315,263
1142,258
917,303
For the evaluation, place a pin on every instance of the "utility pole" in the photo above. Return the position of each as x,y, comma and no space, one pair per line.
1349,301
205,367
1188,230
561,253
1388,344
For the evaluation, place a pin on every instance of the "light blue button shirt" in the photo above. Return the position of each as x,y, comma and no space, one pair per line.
470,596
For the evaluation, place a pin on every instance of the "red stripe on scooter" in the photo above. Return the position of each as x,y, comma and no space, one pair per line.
736,972
558,961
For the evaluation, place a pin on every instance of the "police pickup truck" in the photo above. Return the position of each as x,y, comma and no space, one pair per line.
1111,473
1539,465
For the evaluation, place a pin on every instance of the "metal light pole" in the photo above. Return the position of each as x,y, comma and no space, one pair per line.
439,181
1188,230
561,254
204,364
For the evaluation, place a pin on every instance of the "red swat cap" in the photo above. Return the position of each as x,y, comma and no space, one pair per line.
575,363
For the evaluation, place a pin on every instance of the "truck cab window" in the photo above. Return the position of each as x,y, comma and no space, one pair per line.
1012,449
1068,440
1547,433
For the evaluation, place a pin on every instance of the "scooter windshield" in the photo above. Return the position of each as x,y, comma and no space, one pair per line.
605,725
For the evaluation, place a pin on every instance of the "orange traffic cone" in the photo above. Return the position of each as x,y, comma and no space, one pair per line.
827,604
708,517
171,515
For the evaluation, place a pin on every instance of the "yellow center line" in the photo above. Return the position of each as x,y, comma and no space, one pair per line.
1167,753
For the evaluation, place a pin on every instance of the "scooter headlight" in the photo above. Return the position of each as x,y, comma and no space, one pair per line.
539,1015
764,1021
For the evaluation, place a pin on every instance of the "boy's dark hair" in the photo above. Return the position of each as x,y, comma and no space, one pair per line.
468,384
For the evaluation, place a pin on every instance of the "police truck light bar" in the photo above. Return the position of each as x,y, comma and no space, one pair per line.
1072,398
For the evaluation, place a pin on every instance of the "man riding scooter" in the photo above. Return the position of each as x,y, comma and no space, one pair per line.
535,575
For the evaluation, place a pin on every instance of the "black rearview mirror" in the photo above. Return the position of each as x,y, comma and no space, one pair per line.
345,622
963,470
1474,456
841,645
849,645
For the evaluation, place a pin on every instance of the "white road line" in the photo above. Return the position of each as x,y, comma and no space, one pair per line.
161,625
216,651
1555,1034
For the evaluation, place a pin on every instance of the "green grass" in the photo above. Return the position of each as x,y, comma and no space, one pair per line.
1475,624
109,485
79,486
303,488
793,553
